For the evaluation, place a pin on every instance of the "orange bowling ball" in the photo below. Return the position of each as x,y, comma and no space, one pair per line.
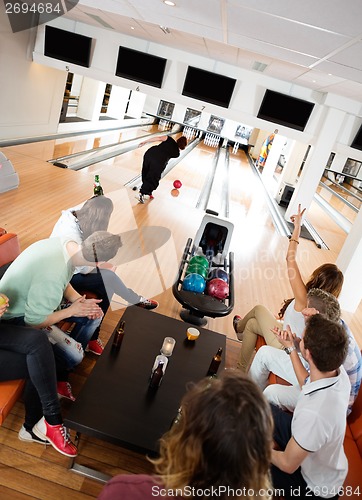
175,192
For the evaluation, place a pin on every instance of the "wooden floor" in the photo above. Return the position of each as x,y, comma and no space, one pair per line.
32,471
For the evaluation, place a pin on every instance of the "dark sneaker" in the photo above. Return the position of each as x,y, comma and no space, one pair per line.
140,198
64,390
57,435
236,320
30,437
147,304
95,346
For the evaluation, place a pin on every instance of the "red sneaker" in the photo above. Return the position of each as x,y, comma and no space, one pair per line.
147,304
57,436
236,320
95,346
64,390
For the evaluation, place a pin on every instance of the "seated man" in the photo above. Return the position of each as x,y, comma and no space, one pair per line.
37,282
294,368
311,461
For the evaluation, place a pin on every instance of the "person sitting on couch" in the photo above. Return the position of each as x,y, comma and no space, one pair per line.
38,280
311,460
25,353
78,223
294,368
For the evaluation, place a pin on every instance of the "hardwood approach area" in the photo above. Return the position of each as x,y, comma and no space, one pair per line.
35,471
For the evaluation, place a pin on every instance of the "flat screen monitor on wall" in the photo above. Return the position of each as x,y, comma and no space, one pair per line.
285,110
67,46
140,67
357,141
208,87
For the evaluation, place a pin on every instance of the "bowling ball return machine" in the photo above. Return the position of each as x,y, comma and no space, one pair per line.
212,240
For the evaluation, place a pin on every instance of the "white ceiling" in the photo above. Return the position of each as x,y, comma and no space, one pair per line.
313,43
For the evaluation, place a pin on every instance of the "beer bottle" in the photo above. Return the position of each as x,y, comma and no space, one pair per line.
157,375
118,334
215,363
97,190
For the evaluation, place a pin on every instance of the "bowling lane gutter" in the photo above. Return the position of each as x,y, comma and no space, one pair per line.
279,222
217,201
82,159
225,210
207,187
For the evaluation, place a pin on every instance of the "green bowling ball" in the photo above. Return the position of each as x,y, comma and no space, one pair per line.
197,269
199,260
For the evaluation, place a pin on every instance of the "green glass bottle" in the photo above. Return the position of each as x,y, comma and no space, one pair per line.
97,190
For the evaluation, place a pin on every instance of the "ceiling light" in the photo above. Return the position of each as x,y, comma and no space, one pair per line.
259,66
165,30
168,2
132,27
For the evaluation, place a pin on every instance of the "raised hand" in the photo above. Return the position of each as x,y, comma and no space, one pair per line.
297,218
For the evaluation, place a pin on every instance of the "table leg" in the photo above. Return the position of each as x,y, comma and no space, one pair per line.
84,470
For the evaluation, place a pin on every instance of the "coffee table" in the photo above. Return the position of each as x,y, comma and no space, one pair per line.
116,404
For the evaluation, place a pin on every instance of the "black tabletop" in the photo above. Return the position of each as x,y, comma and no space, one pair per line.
116,403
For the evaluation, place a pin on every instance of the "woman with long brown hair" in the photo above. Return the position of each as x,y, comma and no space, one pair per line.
219,447
260,321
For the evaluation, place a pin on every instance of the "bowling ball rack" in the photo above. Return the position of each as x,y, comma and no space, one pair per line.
198,306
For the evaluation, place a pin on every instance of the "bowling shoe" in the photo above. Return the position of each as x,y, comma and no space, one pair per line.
147,304
140,198
64,390
95,346
236,320
57,435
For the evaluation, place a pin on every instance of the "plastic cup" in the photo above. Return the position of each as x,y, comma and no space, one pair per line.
192,333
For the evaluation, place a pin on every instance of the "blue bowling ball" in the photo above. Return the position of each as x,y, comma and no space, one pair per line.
217,272
194,283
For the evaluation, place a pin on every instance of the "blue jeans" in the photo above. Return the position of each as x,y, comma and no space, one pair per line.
26,353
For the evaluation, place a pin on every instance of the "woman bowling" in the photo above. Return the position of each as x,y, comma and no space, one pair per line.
155,160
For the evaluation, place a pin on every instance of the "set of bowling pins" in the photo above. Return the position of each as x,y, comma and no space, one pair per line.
189,132
165,125
235,148
211,140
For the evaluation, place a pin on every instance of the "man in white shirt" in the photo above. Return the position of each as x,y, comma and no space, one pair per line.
310,461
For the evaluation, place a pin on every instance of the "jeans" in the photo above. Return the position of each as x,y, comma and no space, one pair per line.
104,283
26,353
68,349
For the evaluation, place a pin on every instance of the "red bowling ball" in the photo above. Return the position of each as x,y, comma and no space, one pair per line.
218,289
177,184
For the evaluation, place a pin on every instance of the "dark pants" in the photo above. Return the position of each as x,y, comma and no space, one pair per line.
293,485
27,353
104,283
151,175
